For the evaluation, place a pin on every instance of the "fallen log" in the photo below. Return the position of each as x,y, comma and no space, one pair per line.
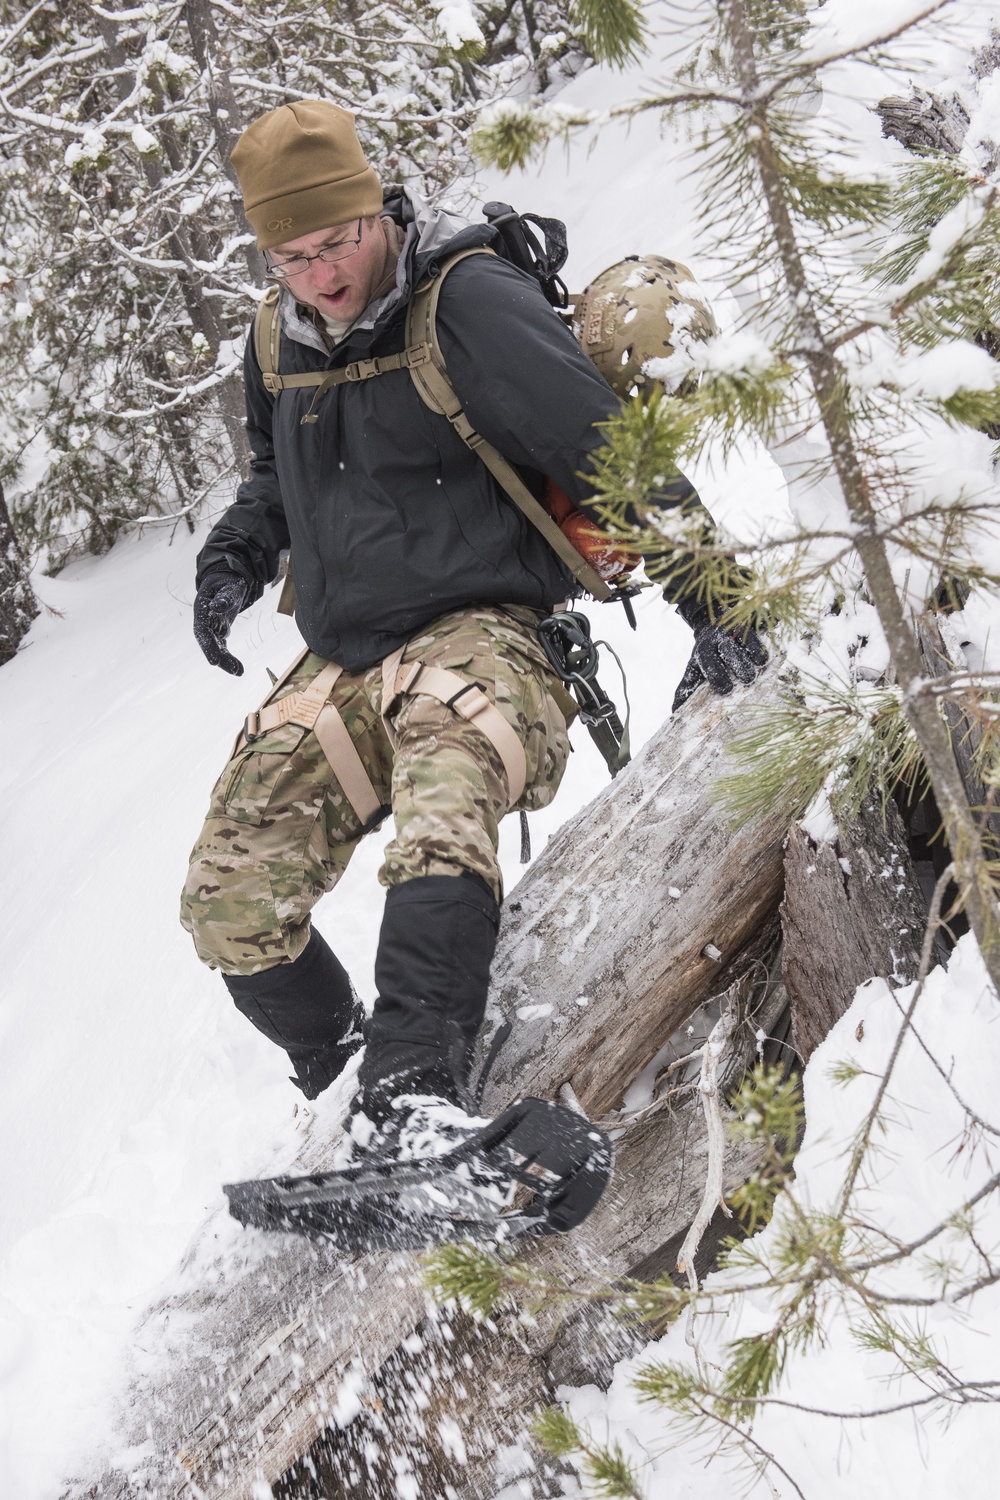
452,1409
943,655
643,907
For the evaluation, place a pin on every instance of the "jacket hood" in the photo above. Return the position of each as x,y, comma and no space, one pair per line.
431,232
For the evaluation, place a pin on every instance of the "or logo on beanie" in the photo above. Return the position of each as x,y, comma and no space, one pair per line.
274,224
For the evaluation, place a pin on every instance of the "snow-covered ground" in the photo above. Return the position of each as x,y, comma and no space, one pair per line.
924,1164
131,1088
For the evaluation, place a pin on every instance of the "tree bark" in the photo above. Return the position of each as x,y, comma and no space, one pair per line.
189,245
852,910
942,655
243,1373
227,117
18,606
518,1367
924,122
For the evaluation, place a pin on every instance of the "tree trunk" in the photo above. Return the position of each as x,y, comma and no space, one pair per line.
245,1371
852,910
189,245
18,606
227,117
636,1230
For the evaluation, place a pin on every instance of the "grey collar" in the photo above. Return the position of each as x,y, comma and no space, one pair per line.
431,228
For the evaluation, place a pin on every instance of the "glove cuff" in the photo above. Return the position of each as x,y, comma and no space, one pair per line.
693,612
230,567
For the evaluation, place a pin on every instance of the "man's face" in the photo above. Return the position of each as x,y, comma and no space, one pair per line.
339,289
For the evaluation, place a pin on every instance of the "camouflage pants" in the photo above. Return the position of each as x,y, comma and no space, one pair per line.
280,832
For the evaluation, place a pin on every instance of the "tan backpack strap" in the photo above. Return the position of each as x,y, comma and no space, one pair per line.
310,708
436,390
361,369
267,346
464,698
267,334
286,599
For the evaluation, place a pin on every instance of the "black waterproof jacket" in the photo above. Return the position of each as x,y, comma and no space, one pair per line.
392,521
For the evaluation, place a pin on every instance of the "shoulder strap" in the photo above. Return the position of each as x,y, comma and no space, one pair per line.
267,333
424,359
431,379
267,346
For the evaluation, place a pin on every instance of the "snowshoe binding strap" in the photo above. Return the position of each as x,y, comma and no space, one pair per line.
387,1204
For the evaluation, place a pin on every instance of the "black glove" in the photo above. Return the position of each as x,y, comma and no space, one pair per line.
217,603
721,657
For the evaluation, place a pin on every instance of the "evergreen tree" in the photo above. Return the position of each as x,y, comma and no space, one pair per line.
18,606
130,273
870,307
866,306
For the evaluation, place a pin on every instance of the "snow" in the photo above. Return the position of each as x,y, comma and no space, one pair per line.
91,147
132,1088
458,23
924,1164
727,354
961,221
845,25
147,145
818,820
936,374
533,1012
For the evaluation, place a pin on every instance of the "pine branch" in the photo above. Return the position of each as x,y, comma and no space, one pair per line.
613,31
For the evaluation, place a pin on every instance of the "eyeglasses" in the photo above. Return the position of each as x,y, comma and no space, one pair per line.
296,264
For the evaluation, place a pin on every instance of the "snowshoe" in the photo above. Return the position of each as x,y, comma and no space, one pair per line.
551,1161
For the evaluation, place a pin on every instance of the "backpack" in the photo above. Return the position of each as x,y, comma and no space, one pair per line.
591,556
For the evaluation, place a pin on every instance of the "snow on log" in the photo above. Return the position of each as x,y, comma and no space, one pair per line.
852,909
943,654
661,1168
642,908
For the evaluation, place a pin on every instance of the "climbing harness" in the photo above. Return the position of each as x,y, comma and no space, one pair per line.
310,708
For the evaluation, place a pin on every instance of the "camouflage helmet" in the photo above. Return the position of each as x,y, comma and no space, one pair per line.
627,316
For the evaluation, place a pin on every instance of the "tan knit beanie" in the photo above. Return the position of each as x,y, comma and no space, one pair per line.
301,168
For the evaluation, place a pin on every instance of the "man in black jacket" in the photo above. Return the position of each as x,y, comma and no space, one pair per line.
418,589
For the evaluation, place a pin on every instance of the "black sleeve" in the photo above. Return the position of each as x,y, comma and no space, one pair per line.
527,386
253,532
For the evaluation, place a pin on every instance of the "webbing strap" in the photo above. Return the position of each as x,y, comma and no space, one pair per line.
302,708
267,335
310,708
424,359
466,699
276,687
435,387
362,369
348,767
267,332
